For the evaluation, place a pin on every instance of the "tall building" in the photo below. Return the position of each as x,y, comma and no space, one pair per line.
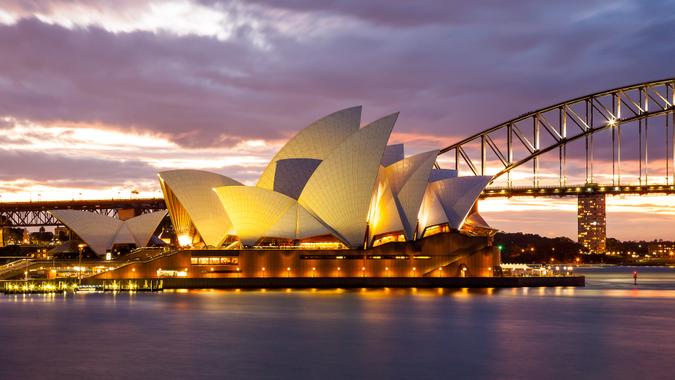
592,222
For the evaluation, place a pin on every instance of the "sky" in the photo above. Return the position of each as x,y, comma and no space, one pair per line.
97,96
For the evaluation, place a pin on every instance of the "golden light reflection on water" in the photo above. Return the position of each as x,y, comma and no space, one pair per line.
456,293
383,293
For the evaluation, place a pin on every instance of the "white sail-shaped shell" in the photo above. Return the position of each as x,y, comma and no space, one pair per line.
142,227
340,190
315,141
451,199
97,230
253,210
408,179
193,205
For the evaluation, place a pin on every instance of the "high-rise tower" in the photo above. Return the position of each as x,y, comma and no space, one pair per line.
592,222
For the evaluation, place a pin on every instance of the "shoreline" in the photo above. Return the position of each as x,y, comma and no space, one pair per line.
159,284
358,282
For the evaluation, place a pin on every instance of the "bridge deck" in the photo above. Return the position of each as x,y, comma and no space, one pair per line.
564,191
35,214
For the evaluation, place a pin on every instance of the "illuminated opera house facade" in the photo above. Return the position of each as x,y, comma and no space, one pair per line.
336,200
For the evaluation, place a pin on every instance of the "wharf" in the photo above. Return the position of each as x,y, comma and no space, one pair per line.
71,285
154,284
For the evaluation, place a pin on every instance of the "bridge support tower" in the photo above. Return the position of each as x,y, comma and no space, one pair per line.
126,213
592,222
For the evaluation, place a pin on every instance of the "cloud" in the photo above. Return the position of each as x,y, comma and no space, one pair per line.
49,167
204,90
221,84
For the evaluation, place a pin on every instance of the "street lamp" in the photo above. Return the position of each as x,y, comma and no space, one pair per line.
79,265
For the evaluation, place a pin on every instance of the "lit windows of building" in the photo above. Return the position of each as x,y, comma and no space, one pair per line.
592,222
214,260
661,249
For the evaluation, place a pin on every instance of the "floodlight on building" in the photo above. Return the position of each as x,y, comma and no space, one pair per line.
184,240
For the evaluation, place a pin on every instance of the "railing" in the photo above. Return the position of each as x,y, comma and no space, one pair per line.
15,265
147,260
38,286
537,270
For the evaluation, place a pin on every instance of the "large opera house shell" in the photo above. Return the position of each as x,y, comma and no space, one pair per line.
333,185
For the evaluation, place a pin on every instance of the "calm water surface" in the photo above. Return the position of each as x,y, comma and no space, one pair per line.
608,330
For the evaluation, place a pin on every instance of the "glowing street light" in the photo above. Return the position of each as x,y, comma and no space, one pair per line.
79,272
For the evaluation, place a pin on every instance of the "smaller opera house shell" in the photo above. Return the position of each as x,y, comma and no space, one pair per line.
102,232
337,189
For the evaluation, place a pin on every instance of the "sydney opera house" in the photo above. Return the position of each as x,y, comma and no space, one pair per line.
336,200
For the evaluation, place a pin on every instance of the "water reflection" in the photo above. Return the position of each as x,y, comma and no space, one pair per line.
609,329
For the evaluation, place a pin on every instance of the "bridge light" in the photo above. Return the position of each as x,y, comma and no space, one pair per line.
611,122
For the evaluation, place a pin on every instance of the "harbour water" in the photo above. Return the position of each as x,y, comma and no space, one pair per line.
610,329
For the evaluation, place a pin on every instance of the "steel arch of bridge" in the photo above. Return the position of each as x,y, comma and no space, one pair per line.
579,118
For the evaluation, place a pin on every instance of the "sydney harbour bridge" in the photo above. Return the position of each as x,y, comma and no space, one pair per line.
618,141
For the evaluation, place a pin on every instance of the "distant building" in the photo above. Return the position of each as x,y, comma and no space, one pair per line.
661,248
41,237
11,235
62,233
592,222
